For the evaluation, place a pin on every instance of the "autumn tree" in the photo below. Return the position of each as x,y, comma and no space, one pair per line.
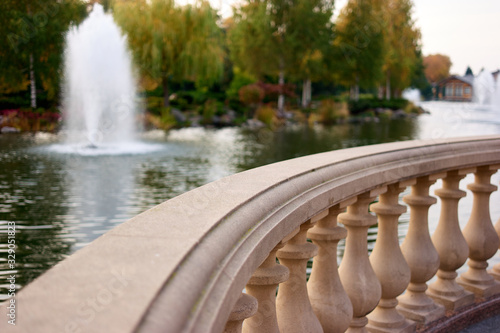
360,45
32,40
402,40
437,67
170,43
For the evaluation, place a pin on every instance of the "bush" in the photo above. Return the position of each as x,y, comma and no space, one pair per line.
357,107
251,94
265,114
330,111
240,80
154,105
209,110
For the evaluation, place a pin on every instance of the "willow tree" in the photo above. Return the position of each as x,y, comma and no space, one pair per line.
170,43
360,45
402,40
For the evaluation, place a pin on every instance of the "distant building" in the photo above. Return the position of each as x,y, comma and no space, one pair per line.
456,88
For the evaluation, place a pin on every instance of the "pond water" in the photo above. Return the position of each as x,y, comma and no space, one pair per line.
61,202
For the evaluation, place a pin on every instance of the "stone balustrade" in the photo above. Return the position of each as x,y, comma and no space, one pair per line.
232,256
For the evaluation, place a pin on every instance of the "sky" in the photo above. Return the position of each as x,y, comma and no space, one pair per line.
468,31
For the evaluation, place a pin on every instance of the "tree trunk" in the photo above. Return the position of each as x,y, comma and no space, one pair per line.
380,93
166,92
32,82
306,93
388,86
281,98
356,89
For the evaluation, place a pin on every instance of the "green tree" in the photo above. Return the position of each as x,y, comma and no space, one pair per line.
360,45
32,39
281,39
251,41
310,36
171,43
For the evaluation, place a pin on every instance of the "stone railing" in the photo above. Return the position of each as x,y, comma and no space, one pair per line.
182,266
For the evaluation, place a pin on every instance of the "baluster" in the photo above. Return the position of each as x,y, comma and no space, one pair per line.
481,237
294,310
389,264
420,255
245,307
495,272
450,245
328,298
356,273
262,285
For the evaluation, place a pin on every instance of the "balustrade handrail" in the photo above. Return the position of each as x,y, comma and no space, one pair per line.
181,266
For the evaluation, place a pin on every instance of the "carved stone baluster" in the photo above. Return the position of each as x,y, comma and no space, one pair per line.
450,245
262,285
389,264
495,272
245,307
294,310
356,273
481,237
328,298
420,255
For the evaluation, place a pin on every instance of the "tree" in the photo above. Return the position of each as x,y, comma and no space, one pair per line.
437,67
402,41
282,39
171,43
360,46
310,36
256,39
32,39
468,71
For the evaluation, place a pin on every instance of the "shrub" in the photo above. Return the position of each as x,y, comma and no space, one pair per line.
154,104
357,107
209,110
240,80
330,111
265,114
251,94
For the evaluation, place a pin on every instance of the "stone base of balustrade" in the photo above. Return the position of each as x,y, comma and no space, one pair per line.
422,315
455,321
407,326
452,302
481,290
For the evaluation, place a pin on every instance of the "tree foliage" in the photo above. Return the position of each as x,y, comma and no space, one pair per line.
437,67
282,38
360,43
402,40
36,29
171,43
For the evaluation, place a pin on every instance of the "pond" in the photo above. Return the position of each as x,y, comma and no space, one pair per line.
61,202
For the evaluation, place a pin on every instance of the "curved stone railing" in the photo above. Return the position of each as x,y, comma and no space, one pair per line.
182,266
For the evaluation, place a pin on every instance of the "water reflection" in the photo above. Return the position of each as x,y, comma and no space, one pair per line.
32,193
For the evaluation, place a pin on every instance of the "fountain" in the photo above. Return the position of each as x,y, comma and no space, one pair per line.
486,90
99,90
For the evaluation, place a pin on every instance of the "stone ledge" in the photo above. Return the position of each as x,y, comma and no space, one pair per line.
454,321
